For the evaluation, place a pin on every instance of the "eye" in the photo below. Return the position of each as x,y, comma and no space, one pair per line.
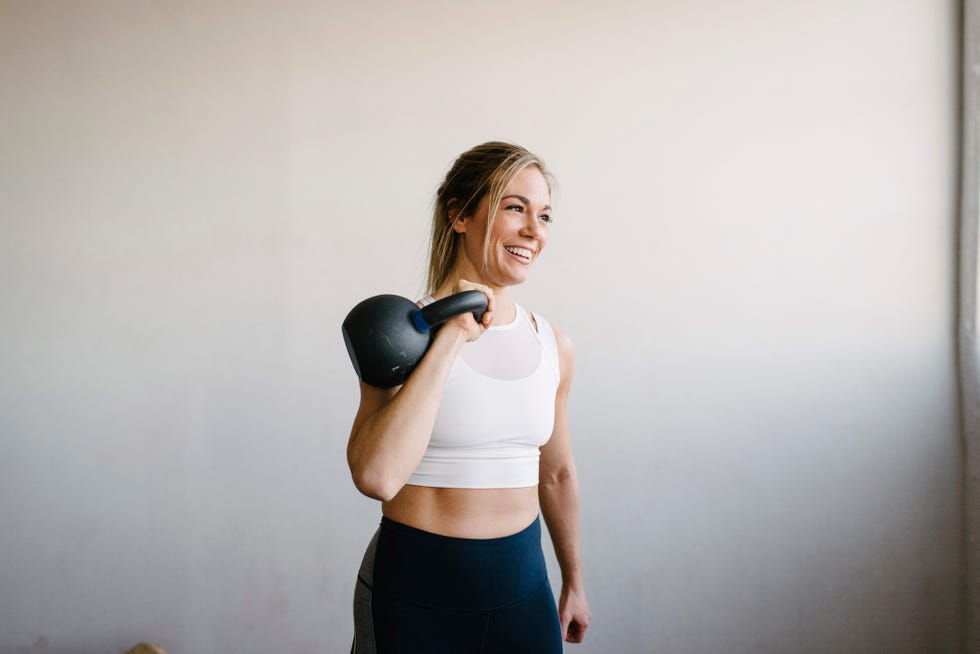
546,218
515,207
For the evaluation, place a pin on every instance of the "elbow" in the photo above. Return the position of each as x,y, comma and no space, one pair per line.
376,486
554,477
373,478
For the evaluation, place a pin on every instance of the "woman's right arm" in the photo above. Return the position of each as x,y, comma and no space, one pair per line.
392,427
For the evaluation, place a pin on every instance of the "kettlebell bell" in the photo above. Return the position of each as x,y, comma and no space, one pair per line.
387,335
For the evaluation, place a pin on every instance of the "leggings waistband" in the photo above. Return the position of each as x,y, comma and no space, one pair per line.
427,569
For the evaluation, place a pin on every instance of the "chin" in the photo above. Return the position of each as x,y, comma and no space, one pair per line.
510,275
516,280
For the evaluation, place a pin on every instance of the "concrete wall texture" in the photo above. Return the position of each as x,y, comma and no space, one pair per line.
754,252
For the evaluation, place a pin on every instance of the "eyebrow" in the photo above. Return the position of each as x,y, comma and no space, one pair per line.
523,199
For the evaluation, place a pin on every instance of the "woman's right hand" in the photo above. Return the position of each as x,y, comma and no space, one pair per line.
465,322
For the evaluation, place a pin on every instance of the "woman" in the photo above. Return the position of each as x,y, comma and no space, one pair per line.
467,452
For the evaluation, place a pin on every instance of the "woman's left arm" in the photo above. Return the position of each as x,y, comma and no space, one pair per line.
558,494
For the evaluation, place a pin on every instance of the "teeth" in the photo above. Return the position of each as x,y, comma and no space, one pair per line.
521,252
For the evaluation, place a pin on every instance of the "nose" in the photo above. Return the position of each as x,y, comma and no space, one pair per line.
533,226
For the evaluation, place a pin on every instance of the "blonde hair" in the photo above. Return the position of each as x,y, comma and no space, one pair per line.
145,648
485,170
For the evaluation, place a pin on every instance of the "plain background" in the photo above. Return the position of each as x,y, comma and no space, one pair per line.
753,251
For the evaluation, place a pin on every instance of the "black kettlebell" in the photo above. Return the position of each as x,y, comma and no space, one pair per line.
387,335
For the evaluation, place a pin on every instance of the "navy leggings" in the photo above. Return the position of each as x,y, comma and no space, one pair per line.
422,593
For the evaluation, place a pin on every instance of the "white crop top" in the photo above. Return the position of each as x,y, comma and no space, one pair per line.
497,410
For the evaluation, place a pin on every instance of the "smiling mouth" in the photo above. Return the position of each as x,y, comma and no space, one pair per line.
521,253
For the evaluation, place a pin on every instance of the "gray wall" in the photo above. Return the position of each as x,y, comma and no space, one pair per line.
968,314
753,251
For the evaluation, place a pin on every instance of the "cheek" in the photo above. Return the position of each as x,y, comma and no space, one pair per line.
513,220
500,231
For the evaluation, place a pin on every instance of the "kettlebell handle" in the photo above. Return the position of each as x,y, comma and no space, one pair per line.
448,307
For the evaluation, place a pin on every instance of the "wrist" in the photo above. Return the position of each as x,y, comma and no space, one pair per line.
573,583
452,335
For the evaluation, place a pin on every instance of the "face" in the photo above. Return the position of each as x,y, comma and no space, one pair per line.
519,233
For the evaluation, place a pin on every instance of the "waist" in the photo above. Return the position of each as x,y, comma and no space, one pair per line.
464,512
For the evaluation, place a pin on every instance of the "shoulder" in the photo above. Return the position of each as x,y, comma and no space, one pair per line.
563,346
543,325
566,353
563,340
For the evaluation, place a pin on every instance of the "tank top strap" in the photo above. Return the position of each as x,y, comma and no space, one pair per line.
546,337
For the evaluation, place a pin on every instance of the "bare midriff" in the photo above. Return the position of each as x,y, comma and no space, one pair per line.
464,512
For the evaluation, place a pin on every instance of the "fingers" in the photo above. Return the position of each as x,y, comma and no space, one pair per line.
573,624
491,305
464,285
575,632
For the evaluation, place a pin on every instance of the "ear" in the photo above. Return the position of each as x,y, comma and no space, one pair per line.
457,220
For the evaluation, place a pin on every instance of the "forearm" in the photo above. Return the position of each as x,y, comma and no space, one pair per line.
389,444
558,496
